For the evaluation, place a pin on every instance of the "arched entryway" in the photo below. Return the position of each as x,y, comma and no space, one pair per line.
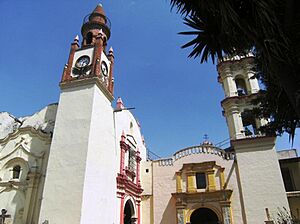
204,216
129,213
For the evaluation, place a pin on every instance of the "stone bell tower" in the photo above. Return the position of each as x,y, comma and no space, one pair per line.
259,177
80,184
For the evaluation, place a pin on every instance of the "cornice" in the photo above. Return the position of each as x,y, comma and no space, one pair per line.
243,60
238,100
87,81
249,144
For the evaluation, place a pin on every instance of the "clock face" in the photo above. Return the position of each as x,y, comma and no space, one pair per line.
104,68
83,61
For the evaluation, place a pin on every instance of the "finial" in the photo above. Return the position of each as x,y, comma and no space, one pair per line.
100,4
120,104
111,50
76,39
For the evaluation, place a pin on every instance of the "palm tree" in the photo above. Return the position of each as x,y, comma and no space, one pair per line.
268,28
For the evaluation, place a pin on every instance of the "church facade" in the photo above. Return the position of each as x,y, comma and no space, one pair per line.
83,161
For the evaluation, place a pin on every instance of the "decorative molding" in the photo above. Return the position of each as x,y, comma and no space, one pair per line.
183,198
22,144
34,133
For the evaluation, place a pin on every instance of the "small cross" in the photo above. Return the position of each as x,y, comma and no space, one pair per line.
3,216
205,137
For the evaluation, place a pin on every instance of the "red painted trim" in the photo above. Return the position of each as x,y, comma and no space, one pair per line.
97,56
111,58
122,210
125,181
124,148
139,212
67,71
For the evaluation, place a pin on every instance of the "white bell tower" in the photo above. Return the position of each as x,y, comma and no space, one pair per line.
257,167
80,184
240,86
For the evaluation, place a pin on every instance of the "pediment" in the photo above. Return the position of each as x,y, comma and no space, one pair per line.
20,149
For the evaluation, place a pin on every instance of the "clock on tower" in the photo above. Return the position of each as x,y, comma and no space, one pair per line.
90,60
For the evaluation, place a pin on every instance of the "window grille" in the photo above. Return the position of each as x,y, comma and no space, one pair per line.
132,160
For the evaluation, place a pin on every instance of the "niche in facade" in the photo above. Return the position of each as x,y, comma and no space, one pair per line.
16,172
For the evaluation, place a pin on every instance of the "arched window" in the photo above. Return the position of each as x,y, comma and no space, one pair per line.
128,212
241,86
89,38
249,123
16,172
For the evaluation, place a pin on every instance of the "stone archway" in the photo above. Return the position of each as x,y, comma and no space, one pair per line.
204,216
129,216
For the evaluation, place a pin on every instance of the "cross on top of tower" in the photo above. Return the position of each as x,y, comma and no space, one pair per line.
205,137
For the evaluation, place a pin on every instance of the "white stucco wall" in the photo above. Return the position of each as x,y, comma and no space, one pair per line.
81,169
260,179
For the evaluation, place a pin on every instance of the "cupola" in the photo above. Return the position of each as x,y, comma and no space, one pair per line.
94,24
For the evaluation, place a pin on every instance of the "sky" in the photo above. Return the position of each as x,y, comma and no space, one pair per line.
176,99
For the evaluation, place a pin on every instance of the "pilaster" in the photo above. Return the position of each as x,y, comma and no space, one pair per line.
178,182
211,180
191,186
226,212
67,70
122,209
222,178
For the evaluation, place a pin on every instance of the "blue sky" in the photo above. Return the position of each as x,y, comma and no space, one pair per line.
177,99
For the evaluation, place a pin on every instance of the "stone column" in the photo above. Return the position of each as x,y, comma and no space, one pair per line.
180,216
253,83
225,205
229,85
235,123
